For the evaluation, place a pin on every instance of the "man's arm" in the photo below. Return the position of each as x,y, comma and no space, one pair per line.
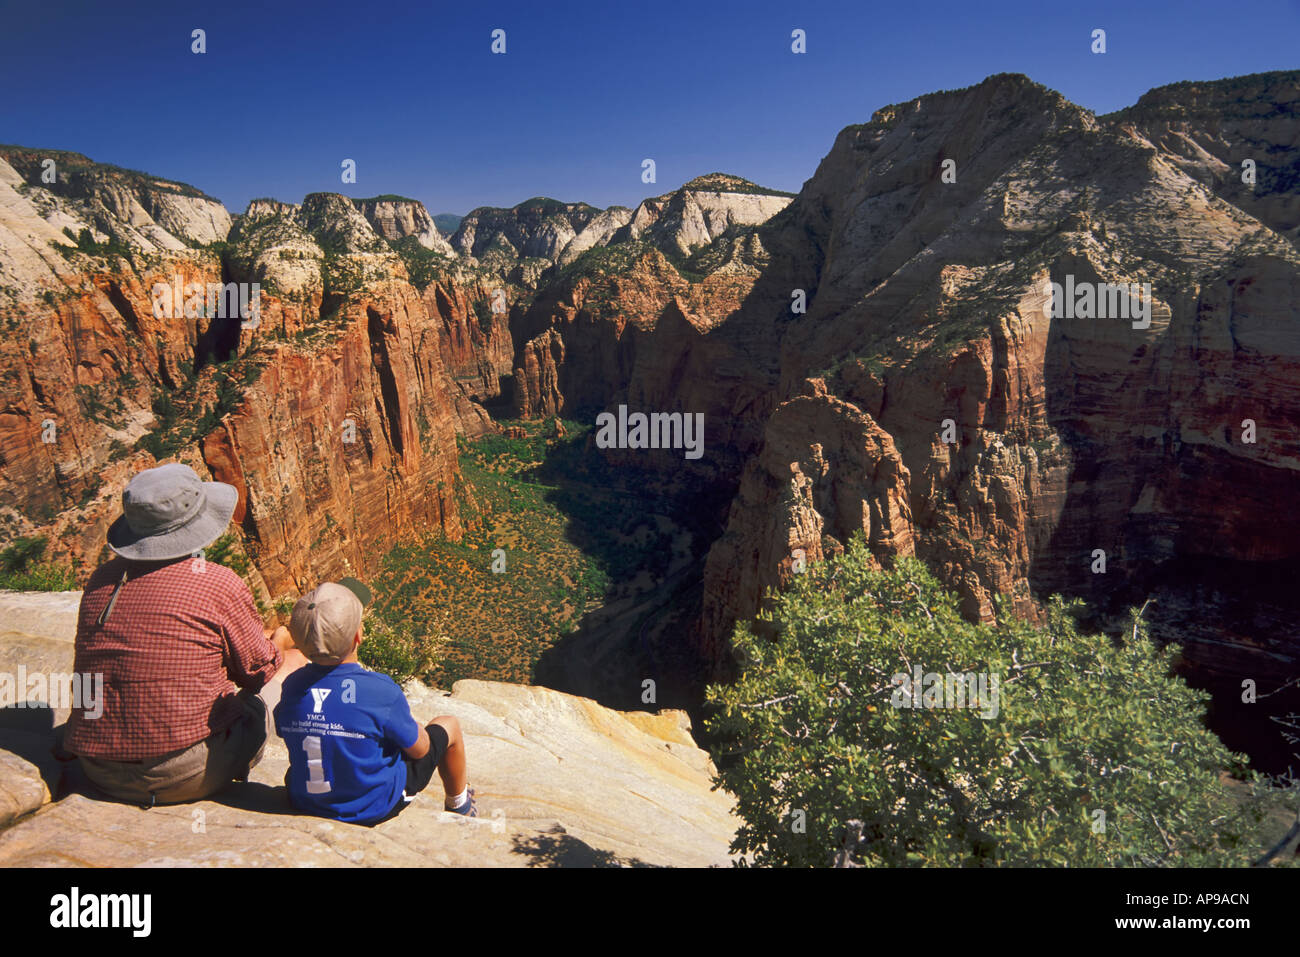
280,637
252,658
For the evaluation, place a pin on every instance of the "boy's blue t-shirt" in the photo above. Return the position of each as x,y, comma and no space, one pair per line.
345,728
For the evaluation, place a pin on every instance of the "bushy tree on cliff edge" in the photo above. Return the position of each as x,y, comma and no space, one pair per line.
1096,756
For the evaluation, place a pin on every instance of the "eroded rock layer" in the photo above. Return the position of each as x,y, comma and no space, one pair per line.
328,406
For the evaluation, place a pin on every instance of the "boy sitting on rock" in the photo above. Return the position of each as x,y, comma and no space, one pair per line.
355,752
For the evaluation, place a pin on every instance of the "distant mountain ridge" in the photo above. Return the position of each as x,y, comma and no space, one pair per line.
557,233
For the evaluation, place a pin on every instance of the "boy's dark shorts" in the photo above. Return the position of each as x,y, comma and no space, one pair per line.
419,771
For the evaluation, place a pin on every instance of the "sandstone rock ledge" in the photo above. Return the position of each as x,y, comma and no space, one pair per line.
560,781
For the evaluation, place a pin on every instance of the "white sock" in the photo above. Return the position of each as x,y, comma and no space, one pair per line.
459,800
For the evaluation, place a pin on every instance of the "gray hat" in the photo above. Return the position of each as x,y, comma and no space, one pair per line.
168,512
325,620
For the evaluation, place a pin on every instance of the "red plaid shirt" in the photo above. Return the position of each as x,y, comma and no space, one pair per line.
173,649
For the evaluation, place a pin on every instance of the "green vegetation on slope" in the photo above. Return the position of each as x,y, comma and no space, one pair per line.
567,534
608,263
1083,728
729,183
111,248
423,265
546,206
67,162
22,568
183,417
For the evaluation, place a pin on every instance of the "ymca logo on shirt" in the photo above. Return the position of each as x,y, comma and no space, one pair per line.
317,722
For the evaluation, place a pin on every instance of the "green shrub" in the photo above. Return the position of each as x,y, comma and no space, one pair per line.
20,554
1083,725
223,552
21,568
392,648
113,246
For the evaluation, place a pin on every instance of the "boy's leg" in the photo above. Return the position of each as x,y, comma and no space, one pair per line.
455,777
446,755
419,771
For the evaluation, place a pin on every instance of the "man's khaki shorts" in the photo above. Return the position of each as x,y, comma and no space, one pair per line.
200,770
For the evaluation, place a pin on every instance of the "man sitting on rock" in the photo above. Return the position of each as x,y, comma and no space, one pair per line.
176,638
355,752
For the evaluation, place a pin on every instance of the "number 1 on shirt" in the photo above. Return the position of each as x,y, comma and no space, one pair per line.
316,783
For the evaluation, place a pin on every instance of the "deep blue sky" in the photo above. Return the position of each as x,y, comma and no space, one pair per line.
585,91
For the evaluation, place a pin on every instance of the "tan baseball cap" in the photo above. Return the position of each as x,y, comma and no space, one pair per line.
325,620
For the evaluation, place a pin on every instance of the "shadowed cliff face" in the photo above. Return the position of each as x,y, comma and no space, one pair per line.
535,229
1073,434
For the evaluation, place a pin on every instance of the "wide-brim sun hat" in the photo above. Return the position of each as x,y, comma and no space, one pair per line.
168,512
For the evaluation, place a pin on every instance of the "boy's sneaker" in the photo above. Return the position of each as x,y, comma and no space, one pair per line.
468,809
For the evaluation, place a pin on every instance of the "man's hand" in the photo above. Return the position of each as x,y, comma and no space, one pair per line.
280,637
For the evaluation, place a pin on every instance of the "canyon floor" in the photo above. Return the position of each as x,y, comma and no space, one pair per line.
571,573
